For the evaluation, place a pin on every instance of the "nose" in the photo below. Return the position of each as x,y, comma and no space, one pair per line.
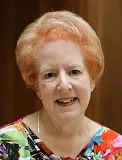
64,83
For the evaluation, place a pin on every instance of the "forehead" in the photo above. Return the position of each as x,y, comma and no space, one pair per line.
60,52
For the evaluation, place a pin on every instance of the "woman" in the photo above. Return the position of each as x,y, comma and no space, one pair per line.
61,59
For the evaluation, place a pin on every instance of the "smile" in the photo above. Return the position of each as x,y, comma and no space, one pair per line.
66,101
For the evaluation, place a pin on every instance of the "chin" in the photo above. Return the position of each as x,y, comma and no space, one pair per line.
69,115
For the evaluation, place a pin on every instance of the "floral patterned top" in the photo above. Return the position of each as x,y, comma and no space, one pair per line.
18,142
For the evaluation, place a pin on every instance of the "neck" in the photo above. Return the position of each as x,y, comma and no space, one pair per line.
77,126
64,137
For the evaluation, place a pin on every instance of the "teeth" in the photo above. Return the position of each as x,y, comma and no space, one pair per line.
66,100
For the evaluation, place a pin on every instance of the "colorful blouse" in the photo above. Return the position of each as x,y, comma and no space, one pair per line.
18,142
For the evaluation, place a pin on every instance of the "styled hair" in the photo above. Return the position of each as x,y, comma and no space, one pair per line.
53,26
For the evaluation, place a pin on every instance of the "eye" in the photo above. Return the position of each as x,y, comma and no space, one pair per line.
75,72
49,75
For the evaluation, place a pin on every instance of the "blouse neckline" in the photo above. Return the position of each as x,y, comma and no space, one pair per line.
48,152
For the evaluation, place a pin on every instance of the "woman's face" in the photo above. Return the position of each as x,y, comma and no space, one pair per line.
64,85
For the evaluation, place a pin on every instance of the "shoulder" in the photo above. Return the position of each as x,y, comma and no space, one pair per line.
11,129
11,123
12,132
109,135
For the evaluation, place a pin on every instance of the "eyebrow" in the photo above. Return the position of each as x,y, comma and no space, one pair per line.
71,66
66,66
45,67
75,66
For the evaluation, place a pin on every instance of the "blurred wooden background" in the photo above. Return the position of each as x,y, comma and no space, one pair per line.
105,16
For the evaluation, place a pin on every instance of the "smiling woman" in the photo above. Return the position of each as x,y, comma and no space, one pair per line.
66,86
61,59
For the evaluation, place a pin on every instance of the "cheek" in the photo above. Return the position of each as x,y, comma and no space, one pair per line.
84,90
83,84
47,90
84,96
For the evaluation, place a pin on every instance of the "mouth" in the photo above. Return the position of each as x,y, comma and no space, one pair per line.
66,101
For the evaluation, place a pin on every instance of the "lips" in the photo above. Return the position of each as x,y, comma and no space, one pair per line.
66,101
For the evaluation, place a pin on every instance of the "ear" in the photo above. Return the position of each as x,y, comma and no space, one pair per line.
38,93
92,85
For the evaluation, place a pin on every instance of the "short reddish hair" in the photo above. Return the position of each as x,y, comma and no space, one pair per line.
54,26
